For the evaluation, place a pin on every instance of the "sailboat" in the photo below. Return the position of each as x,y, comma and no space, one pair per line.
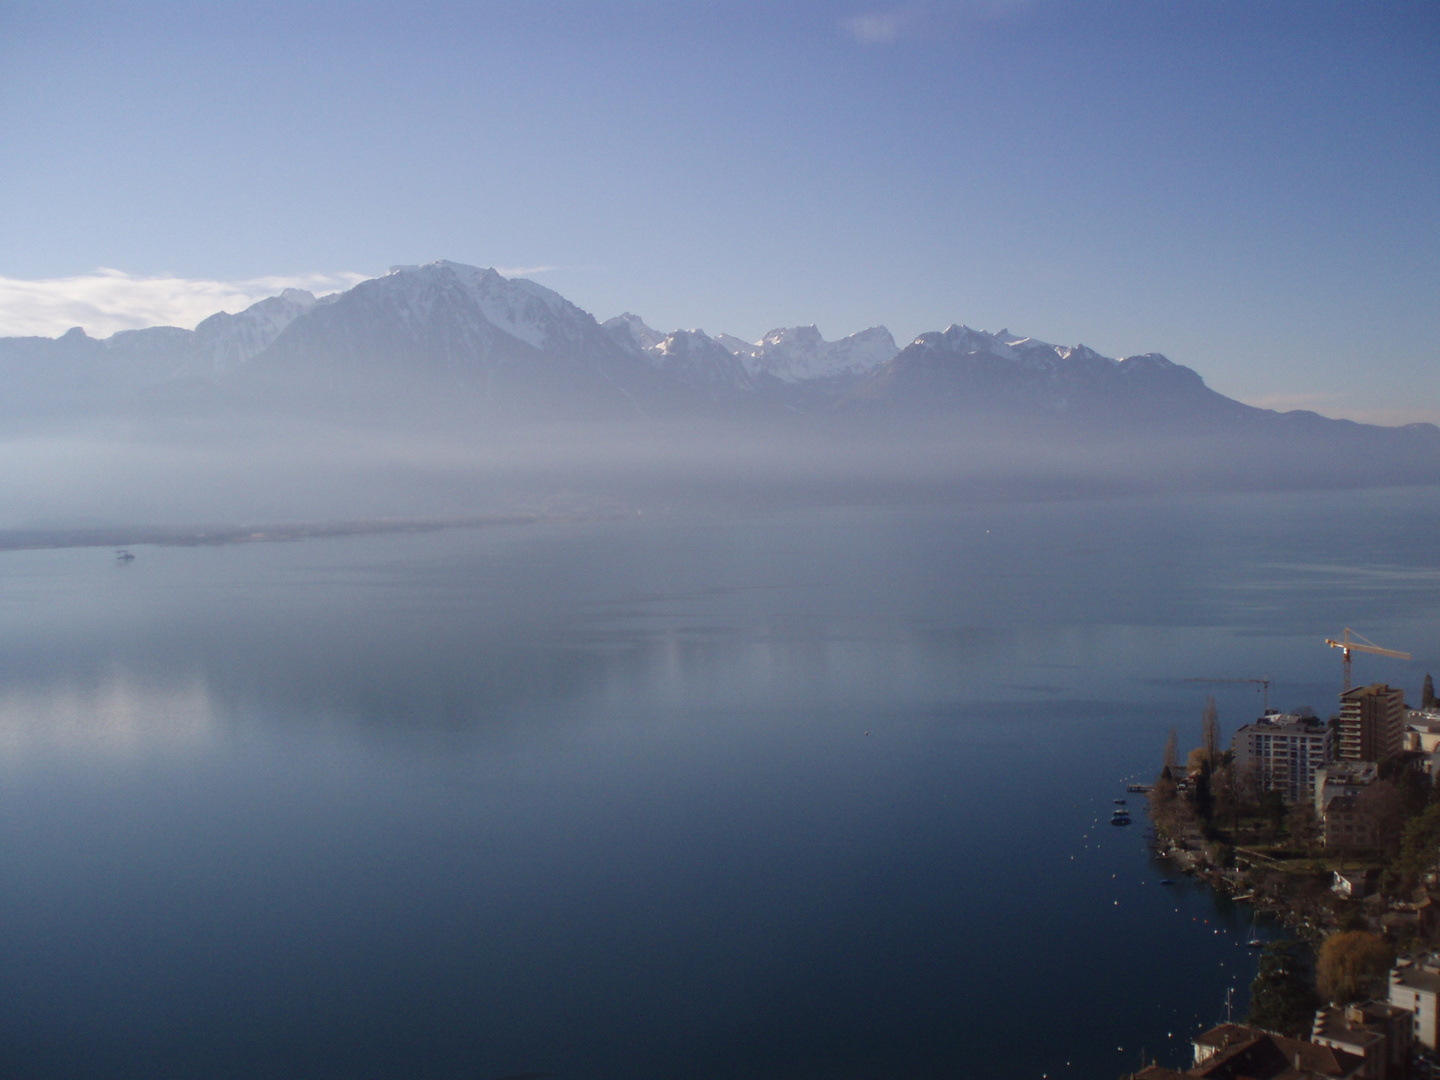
1256,941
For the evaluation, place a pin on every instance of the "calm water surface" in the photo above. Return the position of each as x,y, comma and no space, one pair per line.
810,795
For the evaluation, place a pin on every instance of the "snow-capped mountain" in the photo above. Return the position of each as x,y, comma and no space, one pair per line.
78,373
961,369
455,335
696,360
447,339
793,354
737,346
632,328
225,341
531,313
688,358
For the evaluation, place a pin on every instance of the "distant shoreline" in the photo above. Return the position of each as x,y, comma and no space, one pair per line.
216,535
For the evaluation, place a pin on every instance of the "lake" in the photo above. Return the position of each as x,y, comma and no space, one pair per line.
810,794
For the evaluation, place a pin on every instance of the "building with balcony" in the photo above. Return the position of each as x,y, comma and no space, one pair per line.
1415,985
1284,751
1372,723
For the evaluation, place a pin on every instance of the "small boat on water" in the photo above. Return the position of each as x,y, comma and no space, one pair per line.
1118,802
1256,941
124,556
1166,881
1120,817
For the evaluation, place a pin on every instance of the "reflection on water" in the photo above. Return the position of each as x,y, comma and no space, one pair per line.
822,794
115,717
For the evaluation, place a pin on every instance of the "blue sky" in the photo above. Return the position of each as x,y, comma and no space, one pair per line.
1251,188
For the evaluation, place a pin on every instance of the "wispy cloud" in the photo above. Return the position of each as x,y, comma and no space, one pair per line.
526,271
109,300
880,27
887,25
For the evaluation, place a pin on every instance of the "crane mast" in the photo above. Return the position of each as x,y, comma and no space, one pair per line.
1352,641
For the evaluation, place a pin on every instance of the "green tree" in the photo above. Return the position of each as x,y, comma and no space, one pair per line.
1419,846
1352,965
1381,806
1281,997
1349,916
1416,789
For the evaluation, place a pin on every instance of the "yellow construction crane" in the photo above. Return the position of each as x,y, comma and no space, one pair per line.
1263,683
1360,644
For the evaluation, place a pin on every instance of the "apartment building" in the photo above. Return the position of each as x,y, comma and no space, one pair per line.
1284,751
1372,723
1415,985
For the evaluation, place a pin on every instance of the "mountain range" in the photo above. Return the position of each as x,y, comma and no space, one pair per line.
446,341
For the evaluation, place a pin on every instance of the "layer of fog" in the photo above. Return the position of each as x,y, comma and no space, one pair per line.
285,470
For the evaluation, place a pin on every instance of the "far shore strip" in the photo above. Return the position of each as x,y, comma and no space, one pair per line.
207,535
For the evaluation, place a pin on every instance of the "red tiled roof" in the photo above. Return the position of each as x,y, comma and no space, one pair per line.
1250,1054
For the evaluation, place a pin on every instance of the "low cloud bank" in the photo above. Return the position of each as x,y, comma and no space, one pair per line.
107,301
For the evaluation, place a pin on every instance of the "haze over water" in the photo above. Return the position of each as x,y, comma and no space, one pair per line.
820,793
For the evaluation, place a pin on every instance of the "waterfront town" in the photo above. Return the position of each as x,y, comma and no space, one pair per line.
1330,827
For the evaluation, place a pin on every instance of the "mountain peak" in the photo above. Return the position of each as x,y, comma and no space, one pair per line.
631,328
540,317
698,361
224,341
794,353
806,337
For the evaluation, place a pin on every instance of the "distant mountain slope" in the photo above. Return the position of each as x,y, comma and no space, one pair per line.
697,362
961,371
223,342
451,334
76,373
423,343
690,359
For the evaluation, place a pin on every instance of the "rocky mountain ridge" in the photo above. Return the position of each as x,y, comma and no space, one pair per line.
450,337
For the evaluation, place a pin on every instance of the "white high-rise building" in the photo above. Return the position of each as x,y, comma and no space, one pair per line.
1415,985
1285,751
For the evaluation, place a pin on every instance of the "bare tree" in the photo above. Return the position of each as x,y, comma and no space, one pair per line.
1210,731
1304,826
1224,786
1250,787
